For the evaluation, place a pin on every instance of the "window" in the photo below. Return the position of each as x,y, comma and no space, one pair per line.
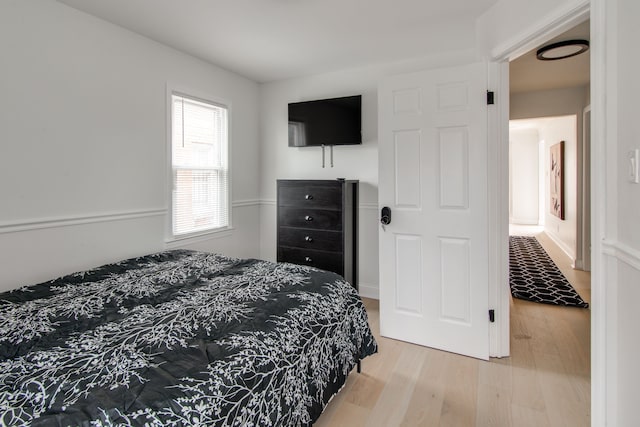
199,164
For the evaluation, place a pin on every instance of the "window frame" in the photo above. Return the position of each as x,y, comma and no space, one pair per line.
192,237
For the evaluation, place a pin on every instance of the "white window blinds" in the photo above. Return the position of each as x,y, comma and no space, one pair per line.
199,147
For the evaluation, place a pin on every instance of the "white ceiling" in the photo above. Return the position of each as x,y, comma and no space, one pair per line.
268,40
527,73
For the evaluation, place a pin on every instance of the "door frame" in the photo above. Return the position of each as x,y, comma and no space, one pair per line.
499,295
583,249
552,25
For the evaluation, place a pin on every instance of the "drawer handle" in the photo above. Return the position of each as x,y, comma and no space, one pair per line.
308,238
308,218
308,197
307,259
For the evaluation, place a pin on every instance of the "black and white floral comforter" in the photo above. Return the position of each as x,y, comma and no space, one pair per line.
179,338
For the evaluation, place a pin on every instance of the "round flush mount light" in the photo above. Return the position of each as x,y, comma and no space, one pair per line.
561,50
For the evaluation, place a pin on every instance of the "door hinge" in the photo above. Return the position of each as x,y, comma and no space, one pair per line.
490,97
492,316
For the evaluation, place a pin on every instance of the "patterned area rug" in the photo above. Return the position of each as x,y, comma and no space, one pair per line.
534,277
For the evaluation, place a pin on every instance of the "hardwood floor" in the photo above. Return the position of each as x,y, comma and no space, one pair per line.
545,382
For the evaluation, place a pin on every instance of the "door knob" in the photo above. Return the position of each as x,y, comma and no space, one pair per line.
385,216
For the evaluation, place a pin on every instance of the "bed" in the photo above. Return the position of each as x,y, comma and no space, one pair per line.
179,338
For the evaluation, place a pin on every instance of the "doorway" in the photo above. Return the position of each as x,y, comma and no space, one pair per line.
538,91
542,89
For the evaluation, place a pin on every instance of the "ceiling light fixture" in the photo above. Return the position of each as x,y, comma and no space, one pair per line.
561,50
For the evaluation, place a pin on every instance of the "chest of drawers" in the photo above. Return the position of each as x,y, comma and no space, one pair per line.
318,225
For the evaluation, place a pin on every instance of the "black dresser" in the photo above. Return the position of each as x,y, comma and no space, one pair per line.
318,225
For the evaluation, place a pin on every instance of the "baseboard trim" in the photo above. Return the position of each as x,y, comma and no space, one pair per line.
562,245
520,221
369,291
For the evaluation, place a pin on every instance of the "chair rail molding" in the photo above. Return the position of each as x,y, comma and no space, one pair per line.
74,220
622,252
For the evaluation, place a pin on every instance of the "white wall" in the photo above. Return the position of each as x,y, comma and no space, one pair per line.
562,231
352,162
548,103
628,134
623,226
509,22
524,172
83,146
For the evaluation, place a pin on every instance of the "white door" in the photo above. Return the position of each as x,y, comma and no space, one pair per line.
433,175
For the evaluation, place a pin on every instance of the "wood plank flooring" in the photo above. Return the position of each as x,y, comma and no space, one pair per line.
545,382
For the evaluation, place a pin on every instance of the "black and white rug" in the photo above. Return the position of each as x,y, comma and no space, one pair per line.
533,276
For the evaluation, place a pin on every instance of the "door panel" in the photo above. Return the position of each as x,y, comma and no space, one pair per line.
409,258
407,154
453,168
433,175
454,280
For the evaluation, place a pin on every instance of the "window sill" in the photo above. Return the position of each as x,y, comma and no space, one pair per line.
175,242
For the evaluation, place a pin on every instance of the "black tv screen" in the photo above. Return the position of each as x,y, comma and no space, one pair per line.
335,121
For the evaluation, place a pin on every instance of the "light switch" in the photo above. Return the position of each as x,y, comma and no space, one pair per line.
634,158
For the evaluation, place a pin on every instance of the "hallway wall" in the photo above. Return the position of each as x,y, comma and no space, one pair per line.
550,103
524,176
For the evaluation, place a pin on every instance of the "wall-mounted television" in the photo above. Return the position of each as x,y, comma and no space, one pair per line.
334,121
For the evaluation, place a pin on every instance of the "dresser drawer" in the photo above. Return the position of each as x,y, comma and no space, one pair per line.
310,239
310,195
330,261
319,219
